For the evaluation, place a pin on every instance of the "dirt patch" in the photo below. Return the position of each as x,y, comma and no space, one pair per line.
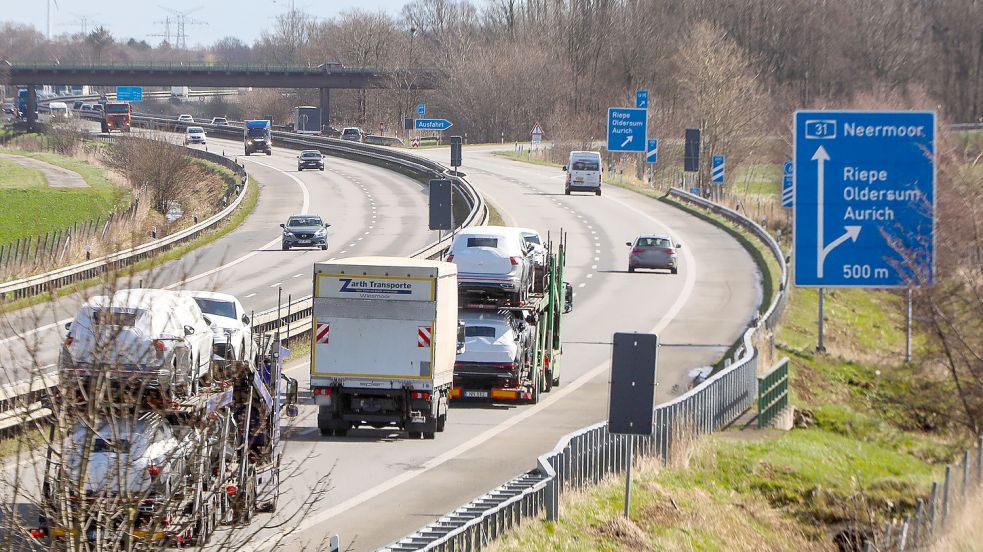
624,532
57,177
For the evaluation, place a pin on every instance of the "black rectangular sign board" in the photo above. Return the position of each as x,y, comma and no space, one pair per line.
440,204
633,367
455,151
691,154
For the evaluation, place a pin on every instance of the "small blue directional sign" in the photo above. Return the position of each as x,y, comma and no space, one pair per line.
652,151
432,124
864,198
627,128
421,110
717,167
788,190
129,93
787,169
642,99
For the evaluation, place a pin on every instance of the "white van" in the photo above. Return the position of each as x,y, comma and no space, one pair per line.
59,110
583,172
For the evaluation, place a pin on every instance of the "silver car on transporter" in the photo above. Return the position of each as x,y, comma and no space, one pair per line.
657,251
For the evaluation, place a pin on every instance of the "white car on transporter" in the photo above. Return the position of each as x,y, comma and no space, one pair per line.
233,337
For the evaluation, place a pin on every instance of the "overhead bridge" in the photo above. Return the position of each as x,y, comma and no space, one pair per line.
323,77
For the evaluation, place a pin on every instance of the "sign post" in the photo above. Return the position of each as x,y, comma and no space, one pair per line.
633,375
627,129
717,168
642,99
864,198
788,185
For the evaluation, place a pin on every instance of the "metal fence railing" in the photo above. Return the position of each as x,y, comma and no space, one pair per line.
584,457
772,393
931,517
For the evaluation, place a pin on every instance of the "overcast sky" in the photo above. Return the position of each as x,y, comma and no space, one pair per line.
244,19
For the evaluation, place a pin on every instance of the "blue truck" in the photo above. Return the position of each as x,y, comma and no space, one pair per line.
256,137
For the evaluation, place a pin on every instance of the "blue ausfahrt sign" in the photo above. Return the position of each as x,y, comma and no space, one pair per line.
626,129
864,198
717,168
432,124
652,151
129,93
642,99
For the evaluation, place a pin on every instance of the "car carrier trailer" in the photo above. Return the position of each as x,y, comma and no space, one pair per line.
544,310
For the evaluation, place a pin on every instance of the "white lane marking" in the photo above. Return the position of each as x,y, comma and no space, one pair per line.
343,251
681,299
247,256
278,284
581,284
593,267
251,295
590,275
298,275
351,245
597,258
367,232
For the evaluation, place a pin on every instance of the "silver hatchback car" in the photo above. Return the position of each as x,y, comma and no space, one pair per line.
653,251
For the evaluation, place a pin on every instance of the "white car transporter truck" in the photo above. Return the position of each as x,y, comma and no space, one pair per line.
385,338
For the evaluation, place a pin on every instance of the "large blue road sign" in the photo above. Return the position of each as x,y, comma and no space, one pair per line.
717,168
652,151
642,99
432,124
864,198
129,93
626,129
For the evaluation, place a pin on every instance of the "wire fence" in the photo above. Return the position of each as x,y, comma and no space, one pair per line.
932,517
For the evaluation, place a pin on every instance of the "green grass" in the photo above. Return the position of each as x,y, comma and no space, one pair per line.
244,210
757,179
14,176
32,208
776,494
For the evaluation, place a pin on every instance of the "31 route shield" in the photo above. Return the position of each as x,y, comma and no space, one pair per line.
864,198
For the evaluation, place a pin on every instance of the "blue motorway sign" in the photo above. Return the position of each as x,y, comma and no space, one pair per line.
652,151
432,124
717,167
642,99
788,185
626,129
129,93
864,198
421,110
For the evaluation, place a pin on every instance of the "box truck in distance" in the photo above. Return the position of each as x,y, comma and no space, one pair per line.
385,338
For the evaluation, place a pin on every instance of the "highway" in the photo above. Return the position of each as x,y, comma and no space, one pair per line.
370,210
384,486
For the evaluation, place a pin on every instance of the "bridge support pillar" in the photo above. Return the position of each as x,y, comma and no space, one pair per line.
325,107
32,107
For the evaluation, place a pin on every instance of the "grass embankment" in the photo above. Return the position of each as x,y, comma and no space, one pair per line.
857,459
30,207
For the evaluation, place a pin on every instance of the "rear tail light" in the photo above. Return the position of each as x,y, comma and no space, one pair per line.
69,340
159,345
671,251
450,258
423,395
546,360
323,391
636,250
231,490
154,471
514,260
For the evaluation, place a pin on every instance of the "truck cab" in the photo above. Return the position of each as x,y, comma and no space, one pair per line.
116,116
257,137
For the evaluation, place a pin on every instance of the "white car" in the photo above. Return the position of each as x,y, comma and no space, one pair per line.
535,241
194,135
497,349
86,108
185,118
220,121
127,456
493,261
150,336
232,334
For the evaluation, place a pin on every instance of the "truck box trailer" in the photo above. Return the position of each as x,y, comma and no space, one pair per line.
385,337
307,119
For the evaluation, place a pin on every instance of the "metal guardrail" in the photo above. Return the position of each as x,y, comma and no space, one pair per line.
772,392
43,283
584,457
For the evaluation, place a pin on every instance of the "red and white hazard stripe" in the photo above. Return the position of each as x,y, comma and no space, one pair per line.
423,336
321,332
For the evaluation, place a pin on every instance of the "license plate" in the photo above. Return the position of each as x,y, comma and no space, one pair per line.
578,179
476,394
304,242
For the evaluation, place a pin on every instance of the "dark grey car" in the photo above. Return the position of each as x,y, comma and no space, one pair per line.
304,231
653,251
310,159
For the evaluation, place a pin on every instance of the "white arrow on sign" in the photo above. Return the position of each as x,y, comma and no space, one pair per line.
820,157
852,233
626,142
